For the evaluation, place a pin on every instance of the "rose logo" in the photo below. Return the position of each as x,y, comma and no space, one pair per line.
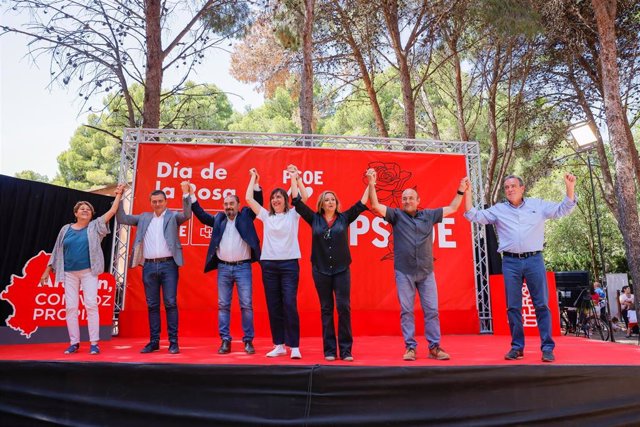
390,182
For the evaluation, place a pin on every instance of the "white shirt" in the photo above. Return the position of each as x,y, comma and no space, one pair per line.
624,298
155,245
280,237
232,248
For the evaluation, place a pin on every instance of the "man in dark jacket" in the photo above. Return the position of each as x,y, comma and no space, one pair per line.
234,246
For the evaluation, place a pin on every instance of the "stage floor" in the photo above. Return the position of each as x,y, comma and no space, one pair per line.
585,386
465,350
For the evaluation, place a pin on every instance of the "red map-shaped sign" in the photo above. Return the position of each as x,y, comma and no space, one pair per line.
35,305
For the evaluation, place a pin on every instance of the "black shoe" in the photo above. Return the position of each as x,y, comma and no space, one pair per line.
547,356
514,355
173,348
152,346
248,347
225,347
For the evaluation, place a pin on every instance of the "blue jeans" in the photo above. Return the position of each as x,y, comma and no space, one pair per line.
241,276
157,275
531,269
340,285
407,284
280,279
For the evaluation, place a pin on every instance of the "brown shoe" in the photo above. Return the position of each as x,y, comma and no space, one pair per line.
438,353
410,354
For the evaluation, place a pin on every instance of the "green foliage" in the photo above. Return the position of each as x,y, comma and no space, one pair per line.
509,17
354,116
288,20
571,243
32,176
277,115
228,19
93,157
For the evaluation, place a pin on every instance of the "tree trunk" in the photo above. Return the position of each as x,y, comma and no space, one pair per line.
306,83
455,58
633,150
431,115
493,128
366,79
629,223
608,190
155,57
390,10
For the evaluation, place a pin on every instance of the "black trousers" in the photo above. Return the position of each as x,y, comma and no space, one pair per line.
339,286
280,280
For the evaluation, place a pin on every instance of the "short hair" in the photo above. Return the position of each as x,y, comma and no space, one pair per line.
411,189
158,193
235,196
286,200
520,180
83,202
321,200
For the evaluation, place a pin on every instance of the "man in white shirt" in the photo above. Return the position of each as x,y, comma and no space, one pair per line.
157,248
233,248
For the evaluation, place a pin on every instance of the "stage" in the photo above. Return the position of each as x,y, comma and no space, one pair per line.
591,383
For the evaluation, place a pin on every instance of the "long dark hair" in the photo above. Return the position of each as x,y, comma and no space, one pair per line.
286,200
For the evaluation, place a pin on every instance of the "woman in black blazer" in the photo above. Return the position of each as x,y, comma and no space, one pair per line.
330,260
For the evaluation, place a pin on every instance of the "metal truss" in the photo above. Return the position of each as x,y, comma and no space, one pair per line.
480,254
121,236
133,137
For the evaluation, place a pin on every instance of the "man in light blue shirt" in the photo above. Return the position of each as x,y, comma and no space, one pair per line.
519,223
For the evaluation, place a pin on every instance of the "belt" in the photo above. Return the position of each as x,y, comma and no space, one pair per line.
165,259
244,261
521,255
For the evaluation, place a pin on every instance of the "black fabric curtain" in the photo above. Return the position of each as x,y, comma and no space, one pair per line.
31,215
495,260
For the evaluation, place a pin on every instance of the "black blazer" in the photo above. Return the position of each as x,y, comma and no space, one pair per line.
244,225
329,246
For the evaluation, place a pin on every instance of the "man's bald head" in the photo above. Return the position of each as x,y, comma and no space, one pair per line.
410,201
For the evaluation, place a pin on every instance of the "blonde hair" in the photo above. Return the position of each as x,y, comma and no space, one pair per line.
321,201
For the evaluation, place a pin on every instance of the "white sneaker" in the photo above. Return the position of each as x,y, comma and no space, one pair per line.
278,350
295,353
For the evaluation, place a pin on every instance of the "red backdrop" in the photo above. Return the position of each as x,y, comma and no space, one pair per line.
219,170
499,307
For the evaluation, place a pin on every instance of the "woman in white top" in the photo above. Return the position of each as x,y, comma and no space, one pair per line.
626,303
280,268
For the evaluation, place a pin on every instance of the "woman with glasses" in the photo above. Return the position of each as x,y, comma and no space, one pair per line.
330,259
77,260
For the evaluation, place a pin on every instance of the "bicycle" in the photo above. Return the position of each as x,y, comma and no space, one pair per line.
589,320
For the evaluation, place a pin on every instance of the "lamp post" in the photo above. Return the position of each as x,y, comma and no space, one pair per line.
586,139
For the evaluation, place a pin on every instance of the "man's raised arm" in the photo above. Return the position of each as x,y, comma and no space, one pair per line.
457,200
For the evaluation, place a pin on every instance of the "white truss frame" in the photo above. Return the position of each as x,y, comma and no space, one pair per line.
132,138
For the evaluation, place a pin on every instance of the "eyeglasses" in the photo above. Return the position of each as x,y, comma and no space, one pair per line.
327,234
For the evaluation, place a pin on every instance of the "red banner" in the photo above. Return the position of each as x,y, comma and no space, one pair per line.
499,307
220,170
43,306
